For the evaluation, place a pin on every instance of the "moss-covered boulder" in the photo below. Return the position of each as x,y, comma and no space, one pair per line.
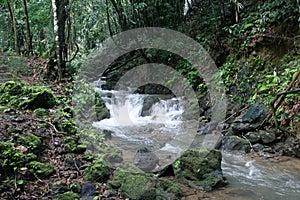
29,97
38,97
40,169
134,184
201,168
99,171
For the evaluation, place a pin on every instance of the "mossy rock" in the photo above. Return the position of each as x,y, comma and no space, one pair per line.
68,196
201,167
172,189
38,97
99,171
41,169
136,186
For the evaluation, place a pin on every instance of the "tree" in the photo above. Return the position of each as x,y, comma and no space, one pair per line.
11,9
59,22
27,26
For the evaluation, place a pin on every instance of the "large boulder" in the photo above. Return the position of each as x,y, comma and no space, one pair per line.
250,119
200,168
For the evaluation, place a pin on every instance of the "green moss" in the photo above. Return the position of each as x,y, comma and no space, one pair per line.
171,188
11,156
41,169
133,186
69,127
38,97
31,142
201,167
70,144
98,171
68,196
40,112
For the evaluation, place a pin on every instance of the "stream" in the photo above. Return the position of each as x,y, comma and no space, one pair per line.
136,124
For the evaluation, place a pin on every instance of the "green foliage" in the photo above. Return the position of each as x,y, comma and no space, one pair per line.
41,169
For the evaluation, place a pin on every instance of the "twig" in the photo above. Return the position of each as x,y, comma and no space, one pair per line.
251,146
74,160
234,114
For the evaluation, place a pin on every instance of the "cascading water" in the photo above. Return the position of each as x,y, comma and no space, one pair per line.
134,127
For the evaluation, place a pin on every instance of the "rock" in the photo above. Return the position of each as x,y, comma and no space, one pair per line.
200,168
258,147
207,128
132,183
145,160
235,143
37,97
266,137
149,101
250,120
98,171
253,137
88,191
133,186
290,147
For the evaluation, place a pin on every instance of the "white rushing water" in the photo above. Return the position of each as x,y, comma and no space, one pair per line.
132,129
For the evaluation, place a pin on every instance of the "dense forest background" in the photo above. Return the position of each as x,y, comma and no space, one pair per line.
255,45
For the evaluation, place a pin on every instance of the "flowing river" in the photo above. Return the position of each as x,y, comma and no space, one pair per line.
152,121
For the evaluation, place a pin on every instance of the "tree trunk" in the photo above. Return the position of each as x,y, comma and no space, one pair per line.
14,24
59,21
27,26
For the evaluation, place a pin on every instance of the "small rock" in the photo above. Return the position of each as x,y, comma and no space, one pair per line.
266,137
88,191
258,147
145,160
73,176
253,137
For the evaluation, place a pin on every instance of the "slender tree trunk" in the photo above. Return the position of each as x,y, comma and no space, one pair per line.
27,26
59,20
56,41
11,9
